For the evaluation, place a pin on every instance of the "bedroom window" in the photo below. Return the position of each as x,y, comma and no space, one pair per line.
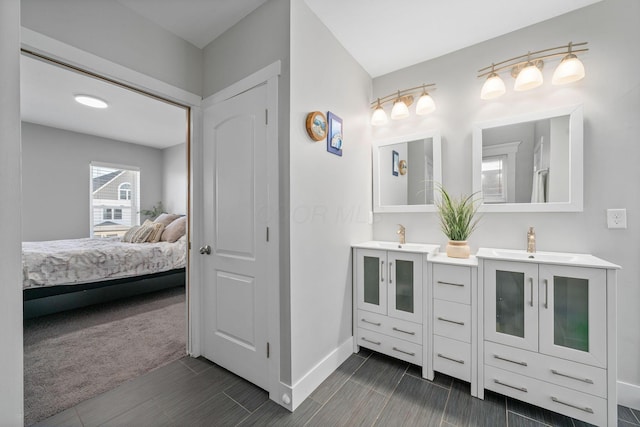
115,199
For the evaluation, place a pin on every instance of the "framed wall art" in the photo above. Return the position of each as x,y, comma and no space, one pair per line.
334,134
316,125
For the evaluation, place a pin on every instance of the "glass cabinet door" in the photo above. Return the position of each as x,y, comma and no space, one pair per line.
371,276
573,313
511,300
405,286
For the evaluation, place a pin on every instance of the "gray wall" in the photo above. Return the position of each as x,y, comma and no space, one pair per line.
330,195
11,362
55,179
174,179
258,40
611,98
114,32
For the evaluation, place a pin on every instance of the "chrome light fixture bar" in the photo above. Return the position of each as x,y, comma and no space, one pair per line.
402,99
526,69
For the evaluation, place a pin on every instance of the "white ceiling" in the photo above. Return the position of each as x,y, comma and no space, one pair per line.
382,35
47,98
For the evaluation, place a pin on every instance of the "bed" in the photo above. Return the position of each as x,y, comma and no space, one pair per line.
63,274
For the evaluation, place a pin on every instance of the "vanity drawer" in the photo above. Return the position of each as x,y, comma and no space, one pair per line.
585,378
397,328
452,357
572,403
452,283
452,320
400,349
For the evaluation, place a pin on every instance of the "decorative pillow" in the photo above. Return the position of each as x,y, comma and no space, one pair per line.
175,230
128,236
166,219
156,232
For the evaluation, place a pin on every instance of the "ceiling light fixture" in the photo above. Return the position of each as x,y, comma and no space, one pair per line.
91,101
526,69
402,99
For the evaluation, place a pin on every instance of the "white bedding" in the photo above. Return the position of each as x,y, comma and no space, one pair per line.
76,261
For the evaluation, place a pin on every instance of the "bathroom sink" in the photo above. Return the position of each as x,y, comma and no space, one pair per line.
395,246
563,258
520,255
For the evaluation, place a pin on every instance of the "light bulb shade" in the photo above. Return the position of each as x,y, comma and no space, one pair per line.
528,78
425,105
399,110
379,117
493,87
570,70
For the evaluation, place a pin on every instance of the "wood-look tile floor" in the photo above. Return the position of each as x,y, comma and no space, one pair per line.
369,389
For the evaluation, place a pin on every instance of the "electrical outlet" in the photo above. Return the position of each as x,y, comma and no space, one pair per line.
616,218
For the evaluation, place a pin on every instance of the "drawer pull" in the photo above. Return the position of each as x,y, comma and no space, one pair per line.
584,380
451,321
372,342
582,408
404,332
495,356
450,284
510,386
371,323
451,358
405,352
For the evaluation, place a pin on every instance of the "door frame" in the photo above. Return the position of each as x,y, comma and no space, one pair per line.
50,48
268,75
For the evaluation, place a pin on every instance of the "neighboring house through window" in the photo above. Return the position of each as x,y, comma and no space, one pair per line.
115,199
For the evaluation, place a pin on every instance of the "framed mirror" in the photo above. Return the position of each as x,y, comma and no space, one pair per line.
530,163
405,170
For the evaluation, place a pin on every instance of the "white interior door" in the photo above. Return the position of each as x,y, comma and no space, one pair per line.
235,228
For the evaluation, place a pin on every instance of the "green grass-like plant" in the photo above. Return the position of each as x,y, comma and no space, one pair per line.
457,215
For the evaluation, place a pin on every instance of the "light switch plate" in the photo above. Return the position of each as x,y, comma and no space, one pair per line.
616,218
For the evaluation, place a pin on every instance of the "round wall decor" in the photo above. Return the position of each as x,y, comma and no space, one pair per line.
316,125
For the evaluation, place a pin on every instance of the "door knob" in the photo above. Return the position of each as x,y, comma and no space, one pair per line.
206,249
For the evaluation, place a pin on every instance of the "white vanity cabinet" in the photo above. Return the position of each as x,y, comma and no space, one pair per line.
388,299
549,332
452,313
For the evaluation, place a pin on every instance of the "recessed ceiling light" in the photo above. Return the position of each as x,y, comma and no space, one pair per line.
91,101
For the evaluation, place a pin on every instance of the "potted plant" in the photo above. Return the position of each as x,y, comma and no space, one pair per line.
457,221
154,212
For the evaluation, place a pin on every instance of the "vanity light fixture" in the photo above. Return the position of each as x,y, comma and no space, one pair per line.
402,99
526,69
91,101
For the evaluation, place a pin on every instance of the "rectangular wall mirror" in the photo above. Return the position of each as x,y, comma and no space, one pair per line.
405,170
530,163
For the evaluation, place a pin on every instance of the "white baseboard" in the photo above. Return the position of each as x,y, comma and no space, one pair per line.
312,379
629,395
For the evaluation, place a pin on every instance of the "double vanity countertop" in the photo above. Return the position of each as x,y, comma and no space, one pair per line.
557,258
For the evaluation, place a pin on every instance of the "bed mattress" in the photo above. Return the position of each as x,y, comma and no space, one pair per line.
76,261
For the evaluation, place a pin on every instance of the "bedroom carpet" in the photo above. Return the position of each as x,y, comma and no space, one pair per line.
72,356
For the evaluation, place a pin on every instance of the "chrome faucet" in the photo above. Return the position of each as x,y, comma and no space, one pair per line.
401,234
531,240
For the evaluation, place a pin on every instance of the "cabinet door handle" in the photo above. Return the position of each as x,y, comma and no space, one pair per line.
582,408
531,283
450,284
584,380
546,293
510,386
495,356
451,358
390,272
451,321
405,352
382,271
372,342
371,323
404,332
